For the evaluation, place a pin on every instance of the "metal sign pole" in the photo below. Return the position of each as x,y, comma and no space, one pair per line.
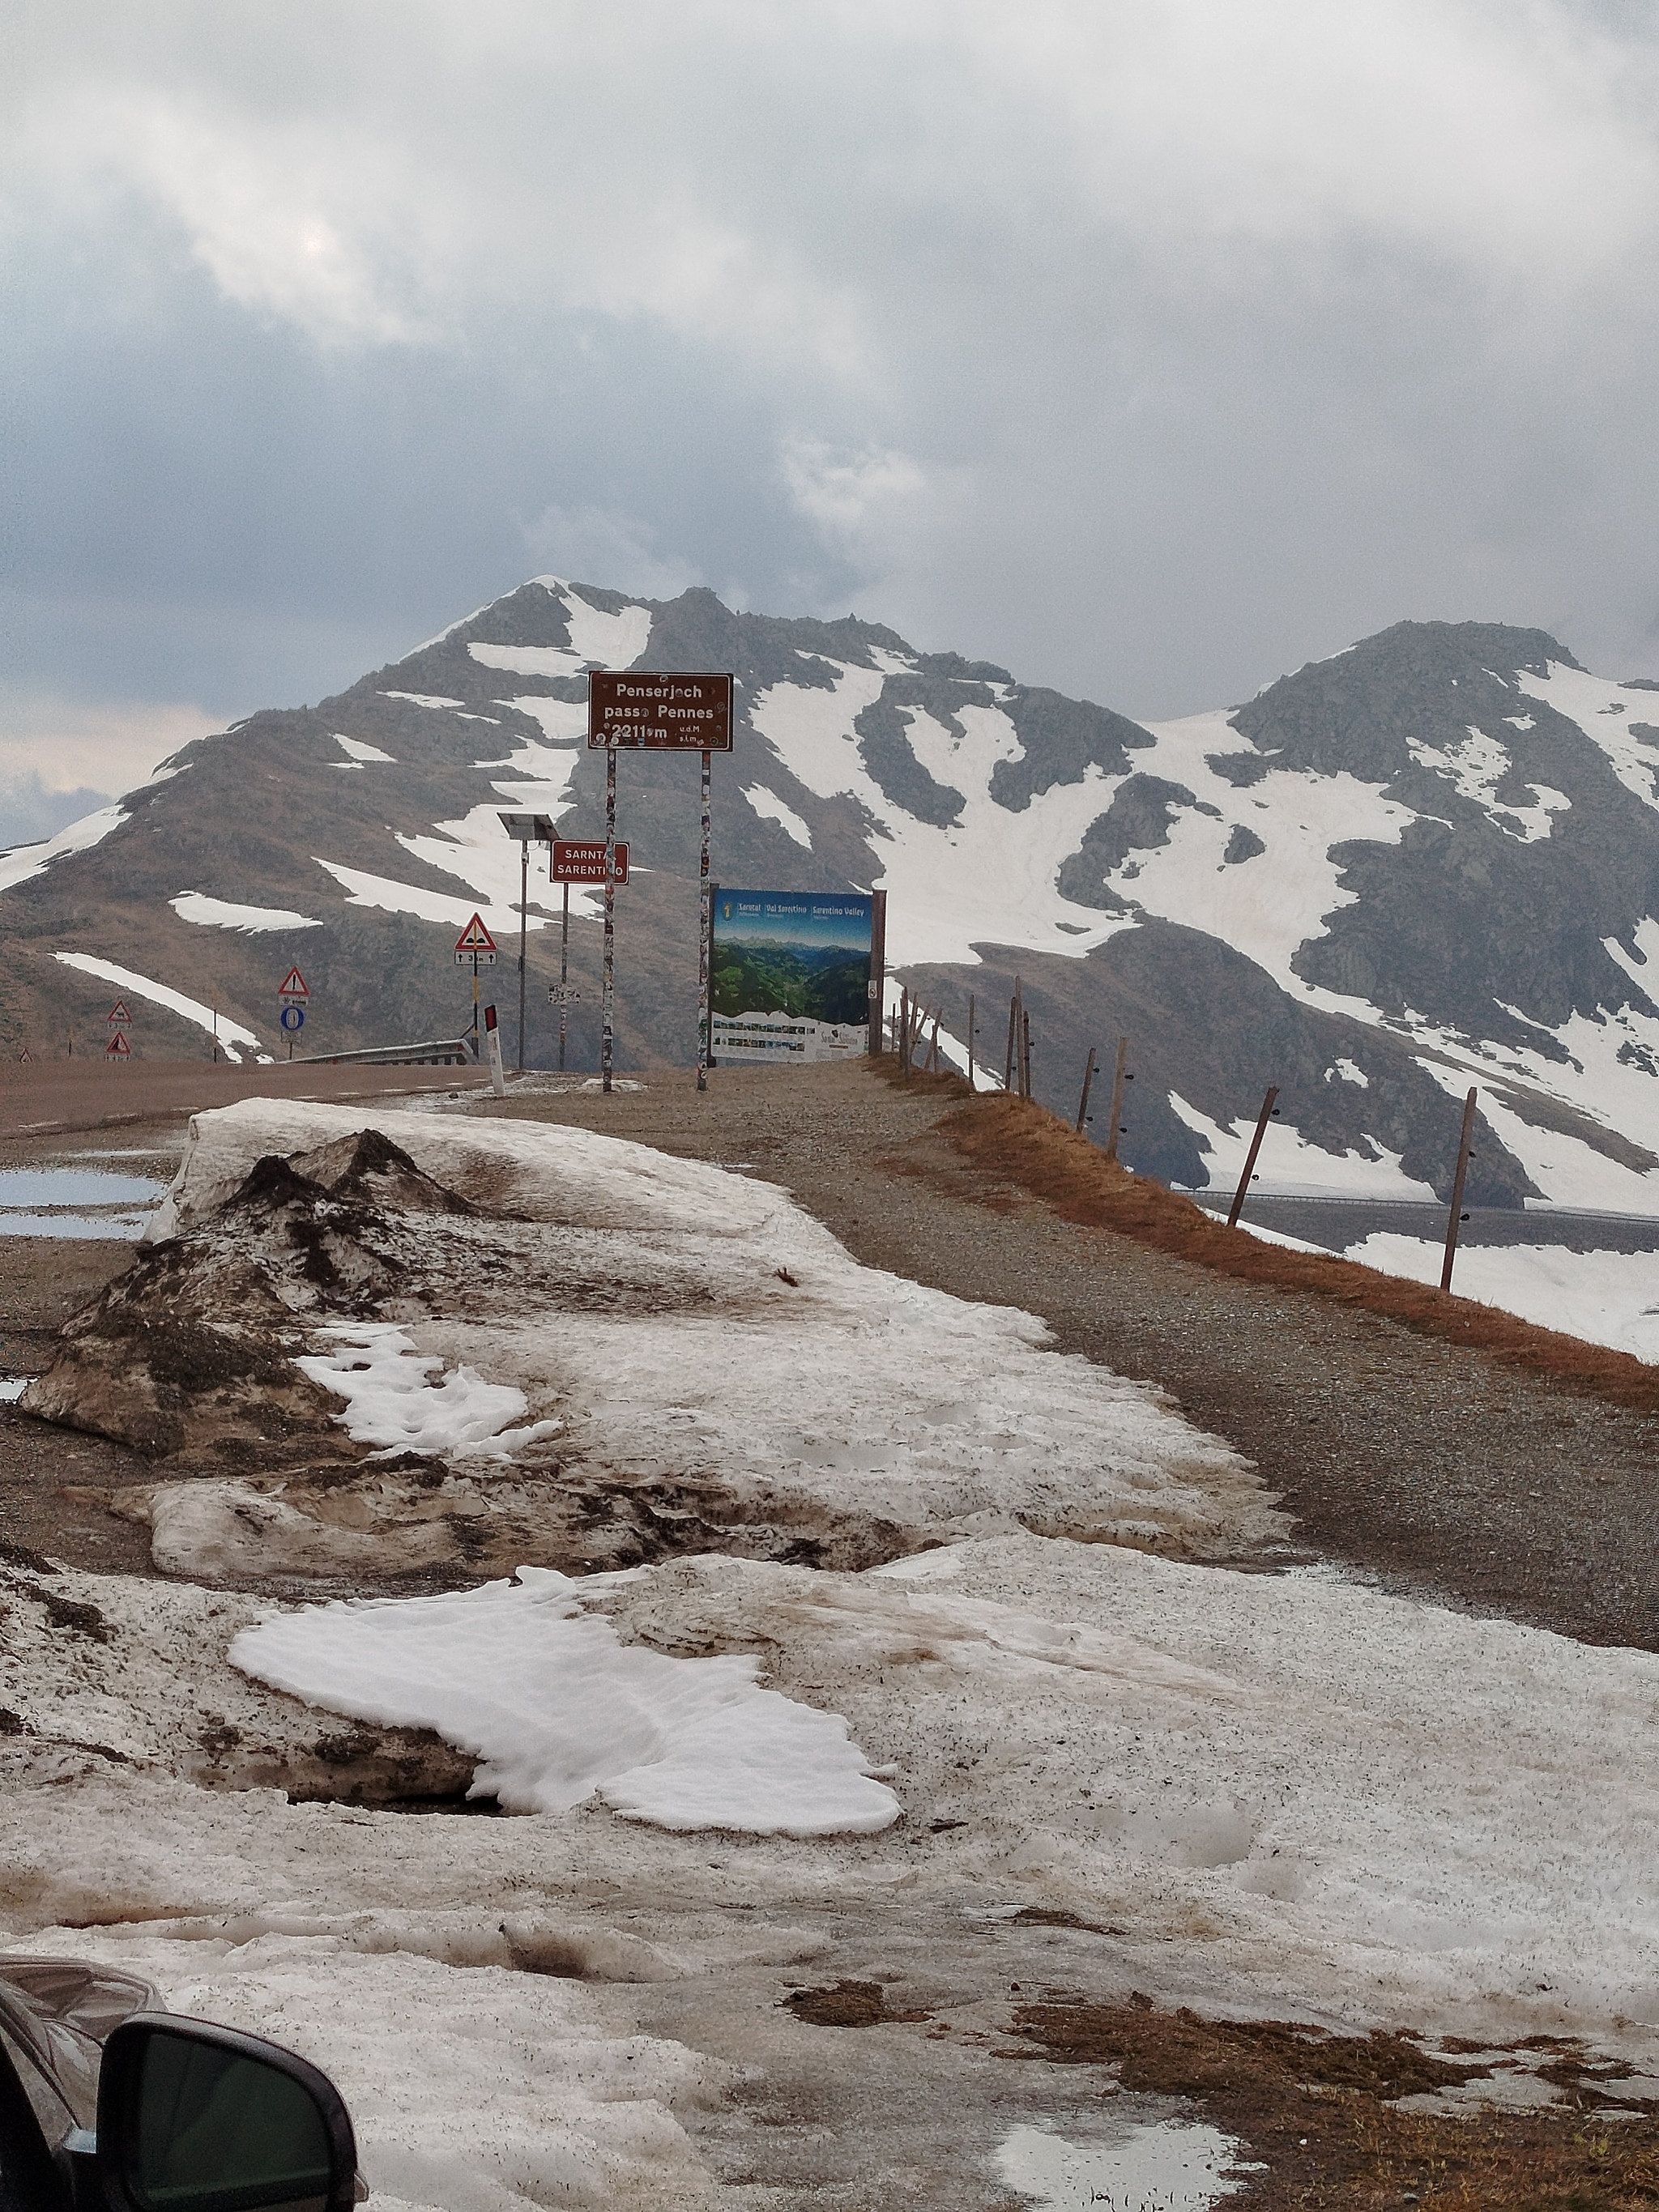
608,993
564,973
524,924
705,932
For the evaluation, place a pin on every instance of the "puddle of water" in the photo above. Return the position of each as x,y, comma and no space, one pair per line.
62,1201
1168,2165
122,1228
77,1186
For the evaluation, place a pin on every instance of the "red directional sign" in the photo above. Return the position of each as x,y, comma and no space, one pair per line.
662,710
293,985
119,1015
476,943
578,862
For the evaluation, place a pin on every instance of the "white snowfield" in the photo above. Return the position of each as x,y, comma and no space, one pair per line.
736,1340
225,913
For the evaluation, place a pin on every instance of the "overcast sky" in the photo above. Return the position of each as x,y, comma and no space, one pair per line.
1150,347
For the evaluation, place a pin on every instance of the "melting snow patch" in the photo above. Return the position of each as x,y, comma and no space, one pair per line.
26,861
359,751
1174,2166
1477,764
391,1402
222,913
417,699
771,808
560,1710
1605,1298
12,1387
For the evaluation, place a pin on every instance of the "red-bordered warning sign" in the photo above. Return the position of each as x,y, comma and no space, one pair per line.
475,942
117,1048
120,1015
293,985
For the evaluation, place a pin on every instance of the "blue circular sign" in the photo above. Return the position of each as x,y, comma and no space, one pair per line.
294,1018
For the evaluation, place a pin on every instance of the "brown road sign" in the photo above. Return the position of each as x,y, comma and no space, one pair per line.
659,710
580,862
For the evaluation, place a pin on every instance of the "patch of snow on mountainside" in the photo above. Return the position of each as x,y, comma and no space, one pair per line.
1604,712
1641,963
222,913
771,808
1271,905
1477,765
564,721
1290,1164
1566,1168
361,751
987,877
230,1034
24,862
478,851
435,700
385,892
596,639
1605,1298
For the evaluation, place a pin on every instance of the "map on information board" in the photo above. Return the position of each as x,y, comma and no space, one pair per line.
789,976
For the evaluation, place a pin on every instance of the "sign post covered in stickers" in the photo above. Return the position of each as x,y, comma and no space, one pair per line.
792,975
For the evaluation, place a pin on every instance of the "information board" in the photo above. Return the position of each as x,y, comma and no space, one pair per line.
790,979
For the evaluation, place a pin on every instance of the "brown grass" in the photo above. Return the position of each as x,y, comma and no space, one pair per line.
1317,2112
1026,1144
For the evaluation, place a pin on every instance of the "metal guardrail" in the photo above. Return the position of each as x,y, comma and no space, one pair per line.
439,1052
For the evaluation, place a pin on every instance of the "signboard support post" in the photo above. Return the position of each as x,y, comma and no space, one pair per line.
524,925
608,992
878,967
564,972
704,933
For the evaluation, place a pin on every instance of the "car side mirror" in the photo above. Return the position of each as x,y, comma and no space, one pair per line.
196,2117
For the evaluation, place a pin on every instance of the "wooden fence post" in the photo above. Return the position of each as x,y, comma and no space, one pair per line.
1118,1081
1024,1053
1261,1120
1455,1215
1083,1102
970,1040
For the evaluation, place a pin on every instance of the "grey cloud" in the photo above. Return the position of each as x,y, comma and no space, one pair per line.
1148,350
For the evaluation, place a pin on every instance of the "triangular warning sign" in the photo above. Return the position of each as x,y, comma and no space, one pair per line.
118,1048
474,937
293,985
119,1014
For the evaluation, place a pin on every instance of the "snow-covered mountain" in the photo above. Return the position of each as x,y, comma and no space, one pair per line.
1431,862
